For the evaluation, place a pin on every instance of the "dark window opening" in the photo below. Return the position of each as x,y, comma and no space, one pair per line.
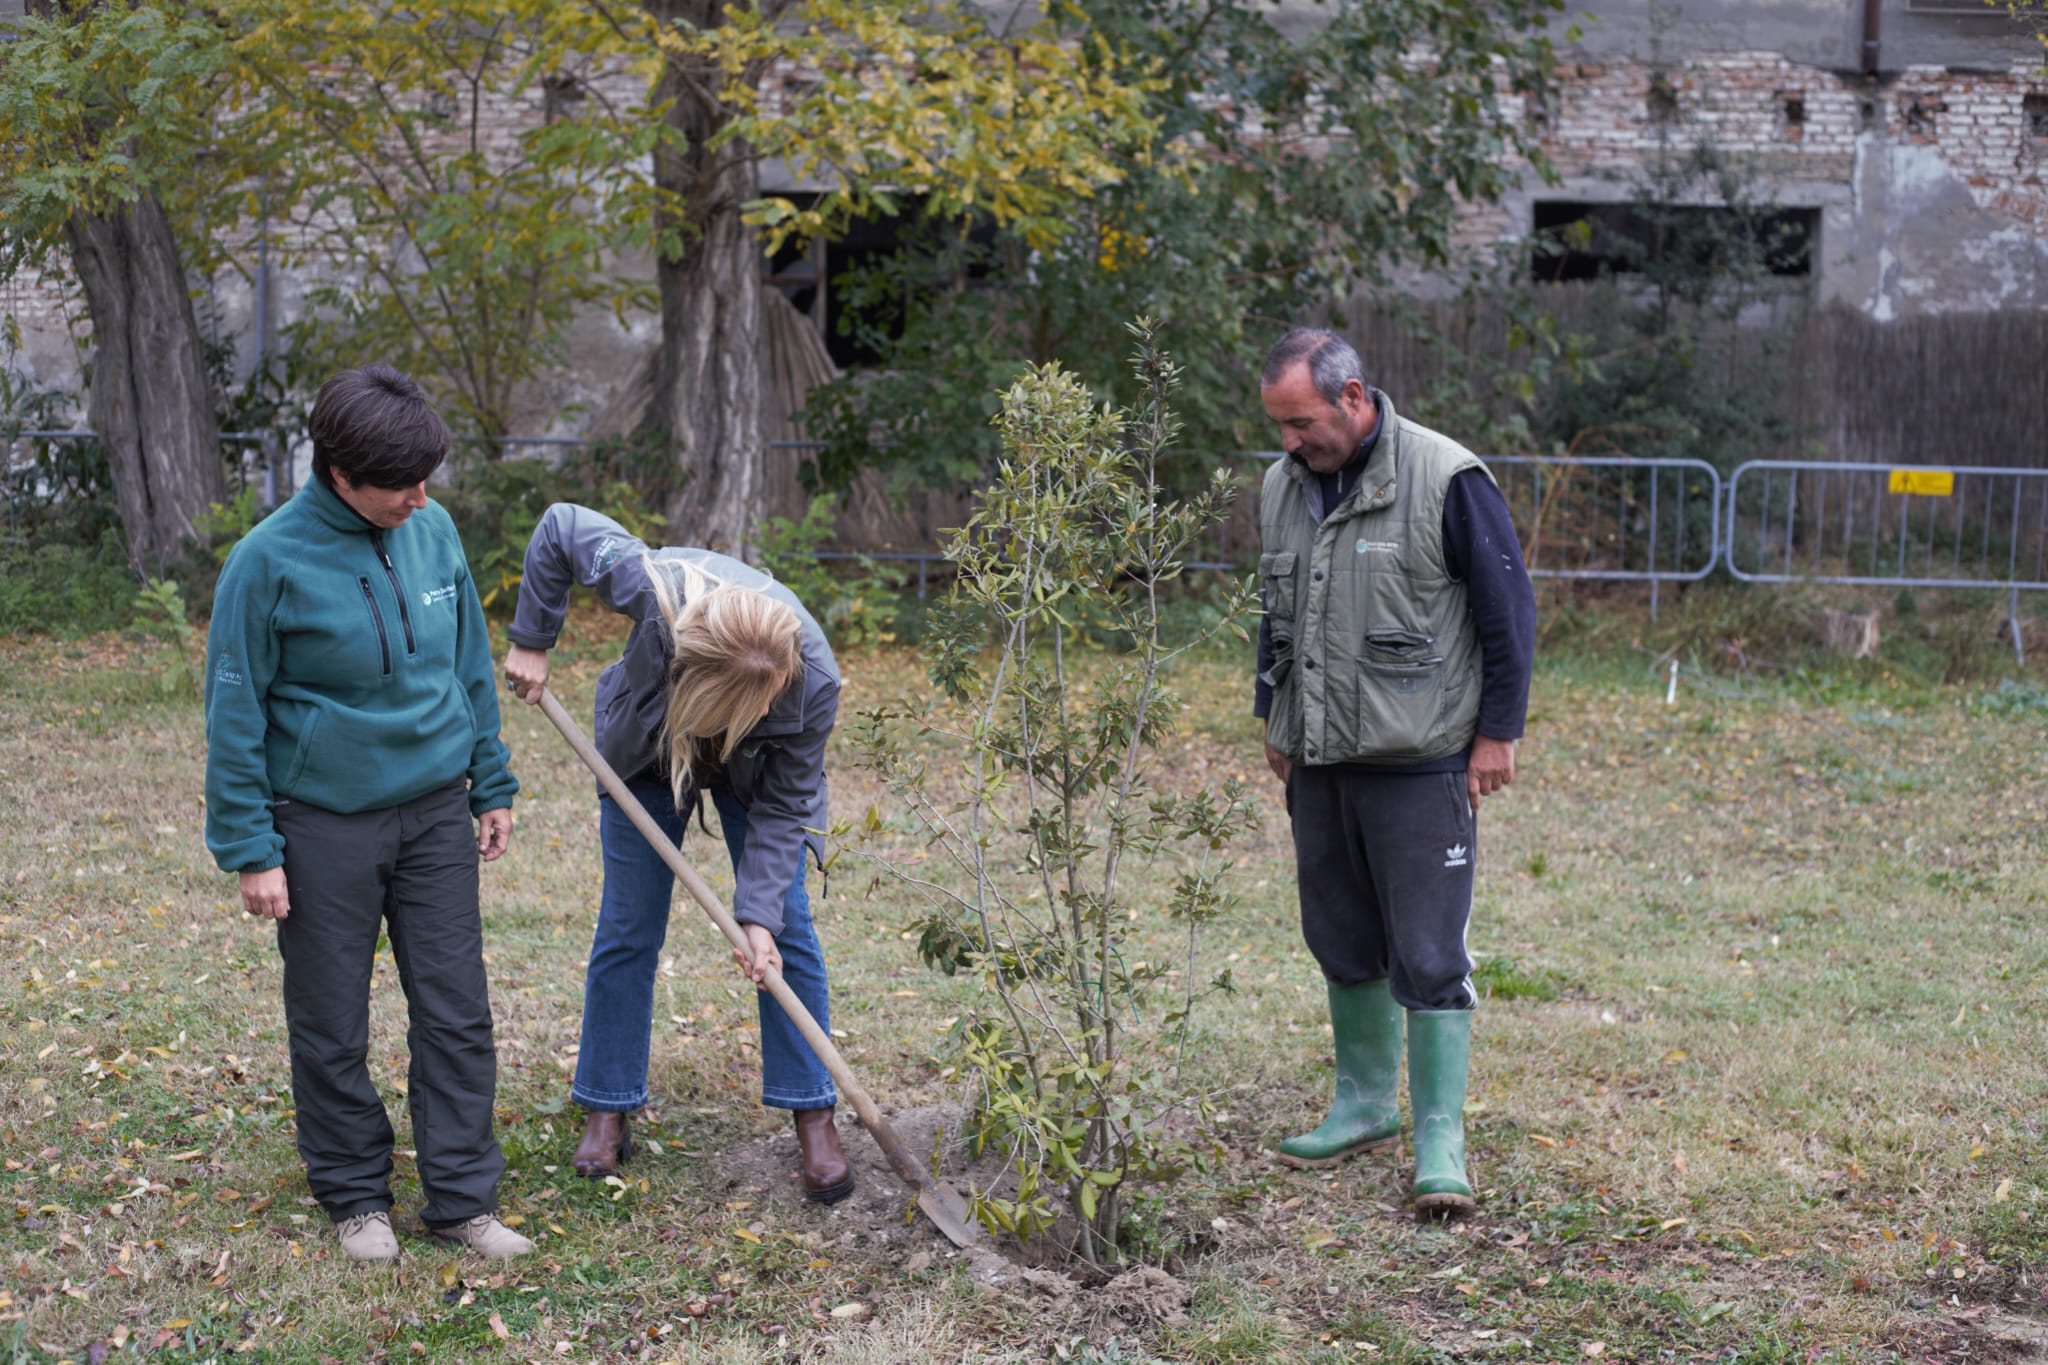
1869,114
1792,109
1586,241
2035,108
814,277
1661,101
1920,112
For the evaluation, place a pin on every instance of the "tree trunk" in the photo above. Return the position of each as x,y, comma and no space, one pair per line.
148,399
707,379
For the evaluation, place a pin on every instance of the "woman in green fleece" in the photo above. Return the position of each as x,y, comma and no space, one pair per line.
352,734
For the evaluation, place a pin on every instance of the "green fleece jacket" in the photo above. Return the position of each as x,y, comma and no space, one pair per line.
347,667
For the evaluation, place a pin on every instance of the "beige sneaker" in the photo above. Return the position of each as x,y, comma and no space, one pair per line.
487,1237
368,1237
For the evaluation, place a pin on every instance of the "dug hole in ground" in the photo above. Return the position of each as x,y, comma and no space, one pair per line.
880,1217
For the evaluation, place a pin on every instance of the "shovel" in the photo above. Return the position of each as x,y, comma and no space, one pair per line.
941,1202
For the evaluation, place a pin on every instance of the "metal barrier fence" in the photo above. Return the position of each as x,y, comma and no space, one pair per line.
1927,528
1612,518
1607,517
1961,527
1780,521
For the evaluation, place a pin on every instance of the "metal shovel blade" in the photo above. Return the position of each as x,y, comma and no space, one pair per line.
948,1211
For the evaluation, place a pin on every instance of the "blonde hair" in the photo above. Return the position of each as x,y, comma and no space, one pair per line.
735,650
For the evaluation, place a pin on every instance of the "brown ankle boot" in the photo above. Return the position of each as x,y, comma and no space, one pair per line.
827,1177
607,1142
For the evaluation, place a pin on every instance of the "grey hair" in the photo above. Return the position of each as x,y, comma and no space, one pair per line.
1332,362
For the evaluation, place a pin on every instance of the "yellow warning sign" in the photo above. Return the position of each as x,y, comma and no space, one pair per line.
1928,483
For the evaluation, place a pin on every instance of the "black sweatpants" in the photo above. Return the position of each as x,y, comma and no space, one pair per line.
413,867
1384,862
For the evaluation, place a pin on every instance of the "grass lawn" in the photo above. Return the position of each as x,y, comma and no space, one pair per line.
1762,1075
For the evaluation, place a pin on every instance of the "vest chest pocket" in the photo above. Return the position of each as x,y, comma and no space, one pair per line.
1400,690
1404,647
1277,584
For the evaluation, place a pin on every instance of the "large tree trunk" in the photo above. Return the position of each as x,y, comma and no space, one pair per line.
148,398
707,381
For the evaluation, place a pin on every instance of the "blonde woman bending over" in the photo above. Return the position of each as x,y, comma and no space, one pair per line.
726,687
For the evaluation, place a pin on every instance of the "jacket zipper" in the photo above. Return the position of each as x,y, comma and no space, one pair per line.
383,645
404,620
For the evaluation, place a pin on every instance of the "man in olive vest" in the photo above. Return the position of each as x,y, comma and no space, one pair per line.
1393,677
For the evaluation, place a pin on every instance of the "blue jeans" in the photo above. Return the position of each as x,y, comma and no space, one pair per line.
632,923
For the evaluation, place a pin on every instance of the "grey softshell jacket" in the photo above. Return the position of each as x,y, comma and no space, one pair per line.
778,770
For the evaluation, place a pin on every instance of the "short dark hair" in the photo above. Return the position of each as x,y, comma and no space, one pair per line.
375,426
1332,361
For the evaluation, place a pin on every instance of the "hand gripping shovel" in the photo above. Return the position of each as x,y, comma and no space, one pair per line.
941,1202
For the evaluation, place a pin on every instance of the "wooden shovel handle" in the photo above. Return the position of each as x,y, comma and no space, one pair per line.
821,1043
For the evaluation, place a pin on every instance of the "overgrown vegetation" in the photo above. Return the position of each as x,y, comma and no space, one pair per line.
63,566
396,156
1242,227
435,243
1740,634
854,599
1065,813
63,588
1652,328
495,504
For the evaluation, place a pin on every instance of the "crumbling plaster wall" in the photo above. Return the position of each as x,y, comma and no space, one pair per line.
1931,176
1932,184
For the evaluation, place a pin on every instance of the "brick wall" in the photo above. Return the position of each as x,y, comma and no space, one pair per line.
1982,127
1799,126
1931,185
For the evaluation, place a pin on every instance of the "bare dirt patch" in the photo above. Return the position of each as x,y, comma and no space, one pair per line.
881,1214
881,1210
1975,1335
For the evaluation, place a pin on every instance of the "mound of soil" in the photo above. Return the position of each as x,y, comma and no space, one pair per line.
881,1215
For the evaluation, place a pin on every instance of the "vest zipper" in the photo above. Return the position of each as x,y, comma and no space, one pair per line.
404,620
383,645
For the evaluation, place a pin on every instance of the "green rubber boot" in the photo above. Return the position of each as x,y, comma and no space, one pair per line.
1439,1052
1366,1112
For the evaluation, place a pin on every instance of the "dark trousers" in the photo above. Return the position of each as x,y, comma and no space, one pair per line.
1384,862
414,868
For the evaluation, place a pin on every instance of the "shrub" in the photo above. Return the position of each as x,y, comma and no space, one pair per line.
857,604
225,523
496,504
1074,1076
63,587
161,615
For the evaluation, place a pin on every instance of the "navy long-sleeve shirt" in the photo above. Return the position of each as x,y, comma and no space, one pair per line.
1482,551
